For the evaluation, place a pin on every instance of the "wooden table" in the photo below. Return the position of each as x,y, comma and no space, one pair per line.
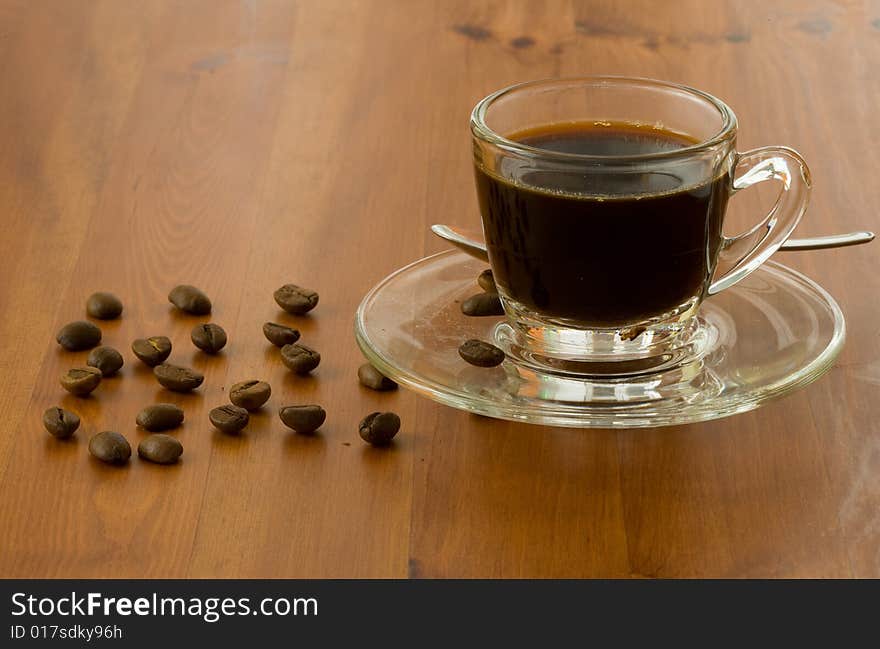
242,145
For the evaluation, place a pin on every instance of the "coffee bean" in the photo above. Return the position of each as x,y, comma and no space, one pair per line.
60,423
295,299
80,381
481,354
190,299
160,416
299,358
279,335
379,428
482,304
486,280
79,335
152,351
631,333
210,338
110,447
250,395
176,378
104,306
106,359
305,420
229,419
372,378
160,448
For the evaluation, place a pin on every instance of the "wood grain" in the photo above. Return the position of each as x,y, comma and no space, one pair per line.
242,145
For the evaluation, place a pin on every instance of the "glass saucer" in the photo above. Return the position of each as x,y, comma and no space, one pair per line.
772,333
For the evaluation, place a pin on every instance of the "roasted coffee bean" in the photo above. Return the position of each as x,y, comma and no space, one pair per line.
104,306
80,381
152,351
60,423
176,378
210,338
160,416
250,395
372,378
106,359
190,299
480,353
486,280
295,299
379,428
305,420
110,447
279,335
79,335
482,304
299,358
229,419
160,448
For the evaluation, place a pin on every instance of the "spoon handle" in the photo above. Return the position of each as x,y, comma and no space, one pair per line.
471,247
478,249
829,241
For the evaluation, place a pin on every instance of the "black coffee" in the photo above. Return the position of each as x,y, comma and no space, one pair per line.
602,248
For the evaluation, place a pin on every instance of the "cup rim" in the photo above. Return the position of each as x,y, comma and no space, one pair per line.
480,129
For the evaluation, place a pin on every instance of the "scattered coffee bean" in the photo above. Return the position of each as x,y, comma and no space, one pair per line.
79,335
190,299
299,358
229,419
110,447
631,333
279,335
60,423
372,378
305,420
486,280
106,359
210,338
250,395
104,306
160,416
80,381
379,428
176,378
482,304
480,353
295,299
152,351
160,448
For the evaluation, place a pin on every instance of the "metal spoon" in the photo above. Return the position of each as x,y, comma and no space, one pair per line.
478,249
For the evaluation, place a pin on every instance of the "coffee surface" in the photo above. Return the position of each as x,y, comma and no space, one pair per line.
596,245
603,138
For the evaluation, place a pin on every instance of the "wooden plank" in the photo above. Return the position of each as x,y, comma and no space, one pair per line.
241,146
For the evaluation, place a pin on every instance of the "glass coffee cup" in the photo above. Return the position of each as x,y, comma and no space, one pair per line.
603,202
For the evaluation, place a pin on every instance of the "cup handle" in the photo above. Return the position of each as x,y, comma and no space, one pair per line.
752,248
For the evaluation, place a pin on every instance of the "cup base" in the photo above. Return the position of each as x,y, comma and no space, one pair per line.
661,344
